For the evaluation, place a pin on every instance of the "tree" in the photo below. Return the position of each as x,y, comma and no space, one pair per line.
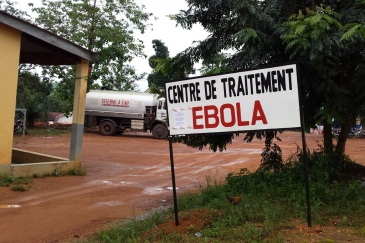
35,96
105,27
259,32
9,7
357,26
231,25
161,52
158,77
215,64
30,82
315,40
157,61
122,77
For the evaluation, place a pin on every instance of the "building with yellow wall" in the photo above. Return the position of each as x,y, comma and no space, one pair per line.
22,42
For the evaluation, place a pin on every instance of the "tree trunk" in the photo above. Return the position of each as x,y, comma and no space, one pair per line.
342,138
313,3
327,137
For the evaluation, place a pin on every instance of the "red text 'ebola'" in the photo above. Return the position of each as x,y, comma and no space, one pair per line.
212,116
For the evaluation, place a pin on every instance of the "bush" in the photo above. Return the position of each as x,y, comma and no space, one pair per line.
6,180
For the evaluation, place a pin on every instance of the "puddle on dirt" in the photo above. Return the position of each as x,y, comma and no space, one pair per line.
170,188
239,161
108,204
110,182
152,191
245,151
229,151
10,206
126,183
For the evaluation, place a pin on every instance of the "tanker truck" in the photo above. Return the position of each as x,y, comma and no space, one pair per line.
117,111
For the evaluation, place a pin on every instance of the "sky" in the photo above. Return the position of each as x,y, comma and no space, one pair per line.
164,29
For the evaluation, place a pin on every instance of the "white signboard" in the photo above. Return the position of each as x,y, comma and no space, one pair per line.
260,99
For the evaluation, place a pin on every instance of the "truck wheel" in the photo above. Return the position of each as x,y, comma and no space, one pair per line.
160,131
107,128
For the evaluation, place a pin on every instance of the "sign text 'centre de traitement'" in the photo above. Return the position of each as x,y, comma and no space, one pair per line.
260,99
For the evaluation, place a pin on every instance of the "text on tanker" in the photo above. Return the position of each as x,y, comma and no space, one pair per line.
111,102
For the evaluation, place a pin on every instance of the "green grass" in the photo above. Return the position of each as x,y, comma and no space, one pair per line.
75,172
7,180
69,172
48,132
18,183
44,131
257,218
270,203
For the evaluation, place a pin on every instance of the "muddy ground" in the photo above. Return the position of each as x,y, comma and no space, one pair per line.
127,176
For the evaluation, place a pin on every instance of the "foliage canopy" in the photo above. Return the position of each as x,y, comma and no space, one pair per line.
325,37
105,27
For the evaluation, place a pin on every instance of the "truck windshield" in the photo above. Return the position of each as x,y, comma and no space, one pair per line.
161,105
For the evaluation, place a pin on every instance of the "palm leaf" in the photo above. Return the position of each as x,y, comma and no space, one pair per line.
300,29
315,19
350,32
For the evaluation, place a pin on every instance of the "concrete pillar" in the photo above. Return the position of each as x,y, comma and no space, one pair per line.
78,114
10,40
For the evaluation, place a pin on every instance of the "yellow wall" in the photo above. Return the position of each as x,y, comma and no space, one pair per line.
9,61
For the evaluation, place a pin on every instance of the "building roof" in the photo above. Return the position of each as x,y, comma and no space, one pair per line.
53,115
39,46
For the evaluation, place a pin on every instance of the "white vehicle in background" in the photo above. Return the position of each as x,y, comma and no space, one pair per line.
117,111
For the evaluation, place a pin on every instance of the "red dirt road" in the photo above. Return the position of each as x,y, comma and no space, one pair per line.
127,176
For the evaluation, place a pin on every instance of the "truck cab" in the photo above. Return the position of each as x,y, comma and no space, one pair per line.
159,128
161,110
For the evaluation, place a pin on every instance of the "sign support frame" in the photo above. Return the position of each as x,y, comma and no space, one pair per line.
305,155
173,181
305,158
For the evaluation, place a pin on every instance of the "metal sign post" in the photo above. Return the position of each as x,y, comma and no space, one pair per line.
305,156
309,215
173,182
